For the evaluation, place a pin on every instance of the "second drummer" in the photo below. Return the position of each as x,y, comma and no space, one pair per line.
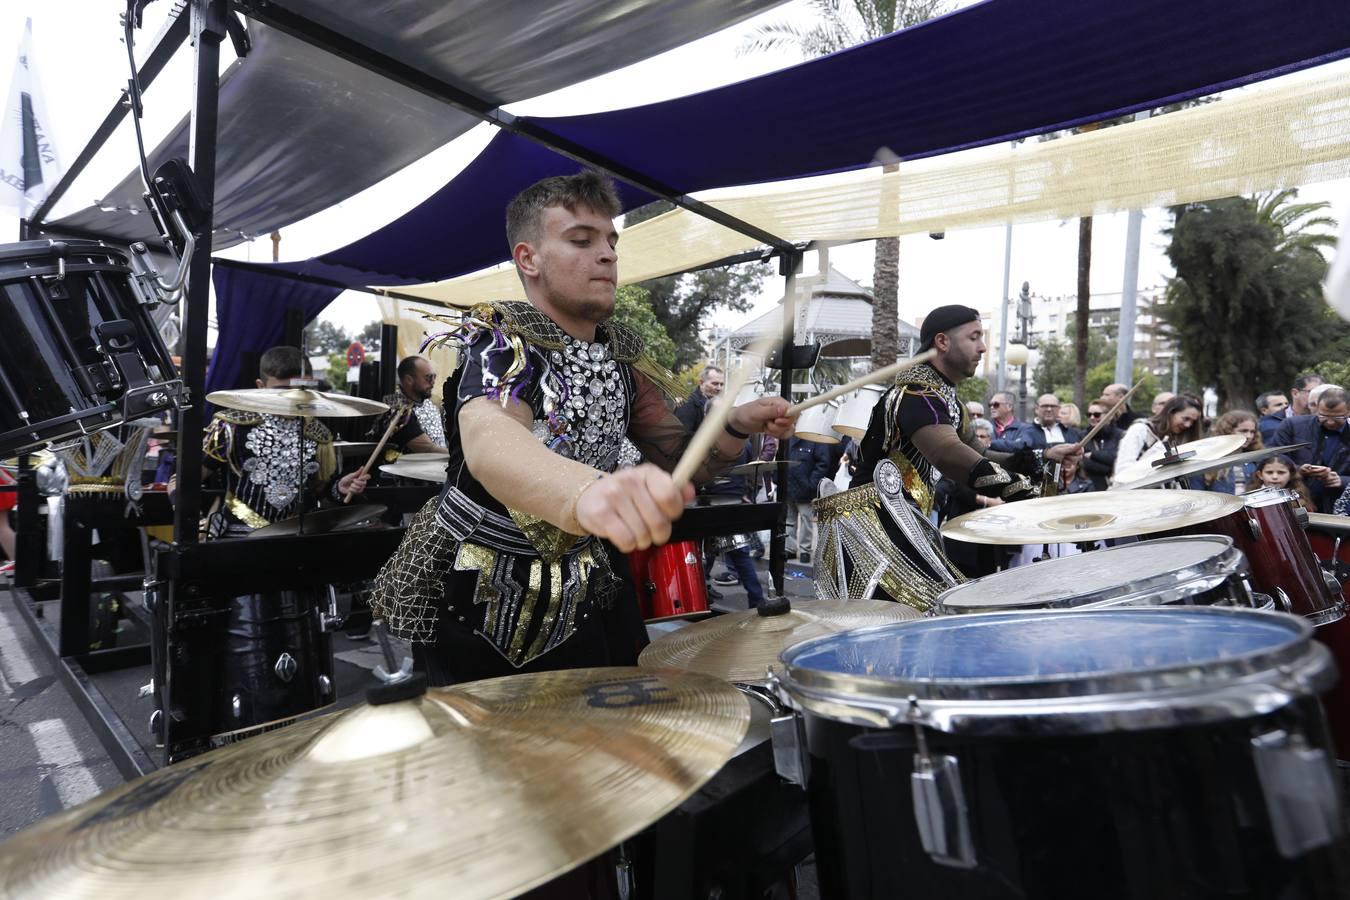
876,538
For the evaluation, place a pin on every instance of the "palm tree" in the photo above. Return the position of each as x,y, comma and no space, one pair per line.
1292,221
839,25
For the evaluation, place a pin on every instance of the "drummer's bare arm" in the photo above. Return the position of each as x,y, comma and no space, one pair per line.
632,508
422,444
661,437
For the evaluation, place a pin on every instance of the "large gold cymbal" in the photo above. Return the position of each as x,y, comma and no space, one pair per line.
1196,466
482,790
1074,518
739,647
296,402
1213,447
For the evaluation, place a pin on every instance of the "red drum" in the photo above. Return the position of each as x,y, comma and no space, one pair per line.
669,581
1269,531
1330,539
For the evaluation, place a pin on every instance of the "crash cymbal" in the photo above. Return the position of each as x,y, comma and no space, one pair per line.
296,402
322,521
432,456
1214,447
482,790
1195,466
421,471
759,467
740,647
1075,518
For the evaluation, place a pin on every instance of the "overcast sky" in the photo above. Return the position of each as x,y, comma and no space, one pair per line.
82,65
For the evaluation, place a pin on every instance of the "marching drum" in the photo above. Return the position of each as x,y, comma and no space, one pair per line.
1201,570
277,661
1269,532
1108,753
81,352
669,581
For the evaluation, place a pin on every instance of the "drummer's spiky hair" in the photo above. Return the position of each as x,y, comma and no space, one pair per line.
283,362
525,213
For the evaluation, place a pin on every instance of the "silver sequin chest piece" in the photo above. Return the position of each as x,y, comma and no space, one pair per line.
278,461
585,404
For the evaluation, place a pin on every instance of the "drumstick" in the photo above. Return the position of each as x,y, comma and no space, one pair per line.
375,454
697,451
871,378
1107,418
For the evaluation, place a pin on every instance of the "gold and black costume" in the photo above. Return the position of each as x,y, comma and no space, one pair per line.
265,464
491,589
877,540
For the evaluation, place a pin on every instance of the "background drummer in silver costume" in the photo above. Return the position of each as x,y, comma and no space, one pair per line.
919,431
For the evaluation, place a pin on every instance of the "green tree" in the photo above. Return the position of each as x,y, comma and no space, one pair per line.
838,25
336,376
1055,370
1246,305
370,335
973,390
680,303
633,307
323,337
1104,373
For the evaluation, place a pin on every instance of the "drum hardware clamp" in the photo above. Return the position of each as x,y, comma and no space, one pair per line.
1301,796
785,737
940,810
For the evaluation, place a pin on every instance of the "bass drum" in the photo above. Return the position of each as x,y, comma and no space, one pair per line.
1203,570
1116,754
277,662
81,352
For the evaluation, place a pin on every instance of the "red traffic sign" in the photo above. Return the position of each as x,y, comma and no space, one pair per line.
356,354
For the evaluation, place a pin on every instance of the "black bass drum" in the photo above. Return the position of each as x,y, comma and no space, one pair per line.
1060,755
81,352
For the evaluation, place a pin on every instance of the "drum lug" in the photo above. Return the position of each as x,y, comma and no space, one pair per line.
325,685
286,667
785,736
940,810
1254,527
1282,600
1301,795
330,619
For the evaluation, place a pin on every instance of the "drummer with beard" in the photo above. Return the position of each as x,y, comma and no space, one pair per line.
877,540
510,569
262,462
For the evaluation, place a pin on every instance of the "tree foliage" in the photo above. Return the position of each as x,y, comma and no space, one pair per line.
838,25
680,303
1054,372
323,337
633,307
1246,304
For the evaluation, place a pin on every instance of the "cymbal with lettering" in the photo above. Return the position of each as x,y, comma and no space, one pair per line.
296,402
1079,518
1196,466
482,790
740,647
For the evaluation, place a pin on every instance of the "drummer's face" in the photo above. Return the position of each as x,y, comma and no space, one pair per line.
577,262
965,347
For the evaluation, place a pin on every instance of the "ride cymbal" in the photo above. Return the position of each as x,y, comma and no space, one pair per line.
322,521
482,790
1196,466
296,402
739,647
1075,518
759,467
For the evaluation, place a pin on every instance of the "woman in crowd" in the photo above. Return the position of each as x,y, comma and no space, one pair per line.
1070,416
1232,479
1178,421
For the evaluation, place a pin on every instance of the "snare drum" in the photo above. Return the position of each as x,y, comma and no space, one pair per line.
1107,753
81,352
669,581
277,662
1202,570
1269,532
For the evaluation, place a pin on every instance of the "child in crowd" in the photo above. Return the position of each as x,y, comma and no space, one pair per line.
1280,472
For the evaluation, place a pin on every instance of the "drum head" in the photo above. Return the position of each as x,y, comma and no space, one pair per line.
1089,671
1147,572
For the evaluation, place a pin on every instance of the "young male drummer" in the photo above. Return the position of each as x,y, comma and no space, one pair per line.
508,570
919,431
260,458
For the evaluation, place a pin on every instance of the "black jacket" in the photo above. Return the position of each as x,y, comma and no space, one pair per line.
691,411
1301,429
1102,462
813,464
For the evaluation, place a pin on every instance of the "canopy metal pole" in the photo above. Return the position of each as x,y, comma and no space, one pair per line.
208,30
789,264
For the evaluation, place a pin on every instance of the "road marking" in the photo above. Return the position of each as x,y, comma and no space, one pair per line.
74,782
18,666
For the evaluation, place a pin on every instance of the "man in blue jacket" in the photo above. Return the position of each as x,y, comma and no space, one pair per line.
1045,430
812,464
1010,435
1325,463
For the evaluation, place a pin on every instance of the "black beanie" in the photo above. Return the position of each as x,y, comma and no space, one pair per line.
944,319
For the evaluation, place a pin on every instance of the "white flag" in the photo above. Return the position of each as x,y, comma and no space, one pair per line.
29,168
